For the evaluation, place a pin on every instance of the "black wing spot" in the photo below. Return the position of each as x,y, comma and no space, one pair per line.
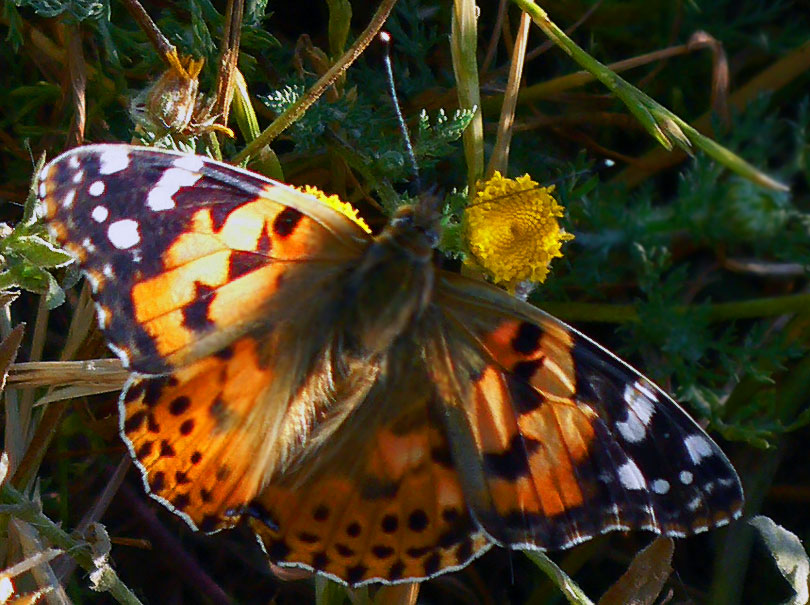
134,392
527,339
181,502
381,551
166,450
286,222
134,422
144,450
151,423
396,571
353,529
179,405
157,482
432,564
195,314
242,262
152,392
356,573
309,538
464,550
187,427
389,524
321,513
418,520
512,463
320,560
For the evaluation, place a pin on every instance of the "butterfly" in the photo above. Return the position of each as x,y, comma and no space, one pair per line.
372,416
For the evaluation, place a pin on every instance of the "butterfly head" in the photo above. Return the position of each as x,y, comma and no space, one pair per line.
417,227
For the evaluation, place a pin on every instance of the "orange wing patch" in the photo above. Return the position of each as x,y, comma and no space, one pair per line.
397,514
190,434
220,275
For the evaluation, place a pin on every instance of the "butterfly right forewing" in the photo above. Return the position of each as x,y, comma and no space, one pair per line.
568,441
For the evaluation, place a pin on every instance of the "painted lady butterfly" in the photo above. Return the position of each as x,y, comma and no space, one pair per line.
373,417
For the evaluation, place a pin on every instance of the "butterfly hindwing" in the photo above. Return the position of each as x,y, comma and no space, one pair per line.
379,500
190,433
570,441
184,253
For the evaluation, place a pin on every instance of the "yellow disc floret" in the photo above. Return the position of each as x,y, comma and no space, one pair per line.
334,202
511,229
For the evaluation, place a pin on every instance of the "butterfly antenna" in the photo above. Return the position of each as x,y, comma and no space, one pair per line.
385,38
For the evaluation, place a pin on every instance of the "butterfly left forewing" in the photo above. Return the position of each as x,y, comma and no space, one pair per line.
186,254
567,440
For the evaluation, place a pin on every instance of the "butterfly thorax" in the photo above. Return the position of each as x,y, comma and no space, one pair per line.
393,282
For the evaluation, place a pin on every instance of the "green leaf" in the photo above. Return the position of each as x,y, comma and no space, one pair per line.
40,252
788,554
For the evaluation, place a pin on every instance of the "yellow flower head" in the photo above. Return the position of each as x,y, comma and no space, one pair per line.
334,202
511,229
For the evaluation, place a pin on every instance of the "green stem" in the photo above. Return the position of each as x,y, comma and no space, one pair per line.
746,309
567,586
107,578
663,125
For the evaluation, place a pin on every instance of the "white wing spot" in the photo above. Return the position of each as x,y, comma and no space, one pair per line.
123,234
77,178
192,163
74,161
698,448
113,159
630,476
103,316
87,244
694,503
93,281
660,486
67,202
161,196
122,354
107,271
100,214
686,477
639,401
96,189
43,190
647,389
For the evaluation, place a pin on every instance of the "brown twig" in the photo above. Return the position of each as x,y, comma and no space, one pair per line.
165,49
297,109
228,59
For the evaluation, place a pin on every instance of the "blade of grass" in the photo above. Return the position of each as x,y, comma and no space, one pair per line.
500,153
663,125
463,45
